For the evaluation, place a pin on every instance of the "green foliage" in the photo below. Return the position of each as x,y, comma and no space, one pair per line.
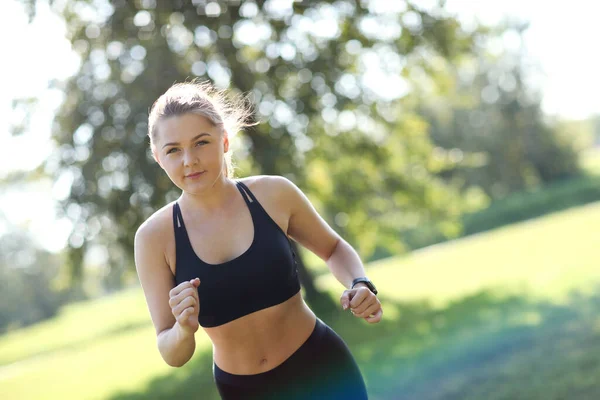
526,205
492,111
516,207
311,94
580,131
26,275
590,161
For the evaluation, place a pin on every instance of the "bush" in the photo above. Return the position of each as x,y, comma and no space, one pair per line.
516,207
26,273
526,205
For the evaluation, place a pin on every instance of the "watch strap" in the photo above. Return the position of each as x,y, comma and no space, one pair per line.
366,281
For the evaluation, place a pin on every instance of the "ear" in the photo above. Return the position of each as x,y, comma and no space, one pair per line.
155,155
226,141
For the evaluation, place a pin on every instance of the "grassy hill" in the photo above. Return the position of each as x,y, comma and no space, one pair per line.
503,315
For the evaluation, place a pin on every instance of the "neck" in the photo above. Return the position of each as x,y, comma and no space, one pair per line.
213,199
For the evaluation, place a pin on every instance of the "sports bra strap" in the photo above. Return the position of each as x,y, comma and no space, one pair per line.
177,220
246,193
178,223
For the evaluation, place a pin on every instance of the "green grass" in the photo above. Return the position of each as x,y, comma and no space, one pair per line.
547,256
76,324
501,315
87,351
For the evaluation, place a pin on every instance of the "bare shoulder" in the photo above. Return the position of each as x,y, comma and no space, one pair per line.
153,230
277,195
270,186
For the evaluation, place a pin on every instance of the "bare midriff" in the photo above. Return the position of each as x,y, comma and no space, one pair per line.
261,341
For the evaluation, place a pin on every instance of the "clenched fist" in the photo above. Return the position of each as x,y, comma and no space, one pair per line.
362,303
185,305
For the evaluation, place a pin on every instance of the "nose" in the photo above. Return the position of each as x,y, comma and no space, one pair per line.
189,158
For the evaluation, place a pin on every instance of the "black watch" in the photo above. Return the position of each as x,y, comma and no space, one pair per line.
366,281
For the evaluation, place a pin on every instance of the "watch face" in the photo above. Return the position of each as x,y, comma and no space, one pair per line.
372,287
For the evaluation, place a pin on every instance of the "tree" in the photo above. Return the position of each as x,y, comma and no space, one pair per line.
27,273
366,168
494,111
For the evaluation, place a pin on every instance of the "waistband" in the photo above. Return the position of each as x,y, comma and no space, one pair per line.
273,374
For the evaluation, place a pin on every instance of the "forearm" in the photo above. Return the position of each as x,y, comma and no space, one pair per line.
345,264
176,346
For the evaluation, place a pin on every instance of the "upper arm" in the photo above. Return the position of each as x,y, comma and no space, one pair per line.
305,225
154,273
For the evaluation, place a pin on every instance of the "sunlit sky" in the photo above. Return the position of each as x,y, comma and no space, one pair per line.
560,39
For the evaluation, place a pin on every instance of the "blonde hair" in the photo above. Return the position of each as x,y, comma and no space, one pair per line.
230,113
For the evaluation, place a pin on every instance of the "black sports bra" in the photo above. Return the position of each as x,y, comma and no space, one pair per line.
263,276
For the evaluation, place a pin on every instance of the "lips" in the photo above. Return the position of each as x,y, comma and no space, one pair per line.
195,174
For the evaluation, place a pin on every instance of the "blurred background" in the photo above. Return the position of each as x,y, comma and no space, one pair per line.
454,143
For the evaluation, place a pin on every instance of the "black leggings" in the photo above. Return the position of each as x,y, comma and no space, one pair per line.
322,368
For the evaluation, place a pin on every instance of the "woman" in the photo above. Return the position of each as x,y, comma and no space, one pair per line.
220,257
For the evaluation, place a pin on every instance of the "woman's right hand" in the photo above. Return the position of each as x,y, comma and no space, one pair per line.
185,305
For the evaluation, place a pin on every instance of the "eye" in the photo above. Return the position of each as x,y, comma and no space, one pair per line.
172,150
201,143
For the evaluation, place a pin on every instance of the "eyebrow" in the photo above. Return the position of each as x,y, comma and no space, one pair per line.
193,139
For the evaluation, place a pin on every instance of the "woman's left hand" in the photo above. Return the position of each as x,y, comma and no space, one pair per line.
362,303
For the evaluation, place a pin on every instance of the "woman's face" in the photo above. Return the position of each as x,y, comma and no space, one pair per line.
191,151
